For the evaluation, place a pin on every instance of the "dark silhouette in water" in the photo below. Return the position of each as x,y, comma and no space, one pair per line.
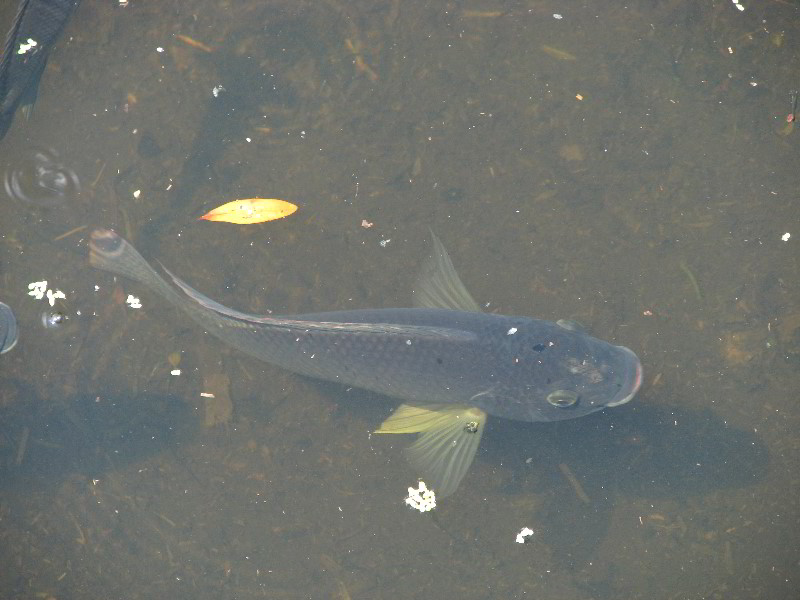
32,35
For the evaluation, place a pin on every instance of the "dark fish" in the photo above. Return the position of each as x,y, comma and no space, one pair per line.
34,31
450,363
8,328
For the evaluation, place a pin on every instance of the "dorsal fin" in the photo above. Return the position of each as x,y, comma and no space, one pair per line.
438,284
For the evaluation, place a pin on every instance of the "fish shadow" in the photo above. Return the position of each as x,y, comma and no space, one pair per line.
42,442
635,451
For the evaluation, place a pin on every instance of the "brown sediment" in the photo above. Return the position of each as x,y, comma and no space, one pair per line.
69,233
573,481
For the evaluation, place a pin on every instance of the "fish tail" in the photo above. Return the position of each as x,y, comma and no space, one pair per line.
110,252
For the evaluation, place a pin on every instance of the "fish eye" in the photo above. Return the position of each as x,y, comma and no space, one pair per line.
563,398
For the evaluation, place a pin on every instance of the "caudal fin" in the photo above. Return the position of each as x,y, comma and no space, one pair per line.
110,252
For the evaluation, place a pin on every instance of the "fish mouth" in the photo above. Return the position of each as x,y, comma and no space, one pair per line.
634,375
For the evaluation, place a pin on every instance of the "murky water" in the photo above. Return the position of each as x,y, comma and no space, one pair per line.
629,167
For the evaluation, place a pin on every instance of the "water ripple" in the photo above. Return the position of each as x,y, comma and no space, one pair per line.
41,179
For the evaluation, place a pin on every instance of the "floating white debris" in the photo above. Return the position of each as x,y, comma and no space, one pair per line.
53,296
384,242
785,237
421,499
37,289
133,301
26,47
511,331
175,372
523,534
557,16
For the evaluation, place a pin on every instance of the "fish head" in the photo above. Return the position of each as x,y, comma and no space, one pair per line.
560,373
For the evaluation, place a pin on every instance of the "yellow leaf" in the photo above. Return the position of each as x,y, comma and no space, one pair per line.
251,210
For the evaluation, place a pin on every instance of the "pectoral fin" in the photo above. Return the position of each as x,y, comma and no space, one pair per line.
438,284
449,437
571,325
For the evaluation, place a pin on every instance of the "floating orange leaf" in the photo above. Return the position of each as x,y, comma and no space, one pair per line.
251,210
